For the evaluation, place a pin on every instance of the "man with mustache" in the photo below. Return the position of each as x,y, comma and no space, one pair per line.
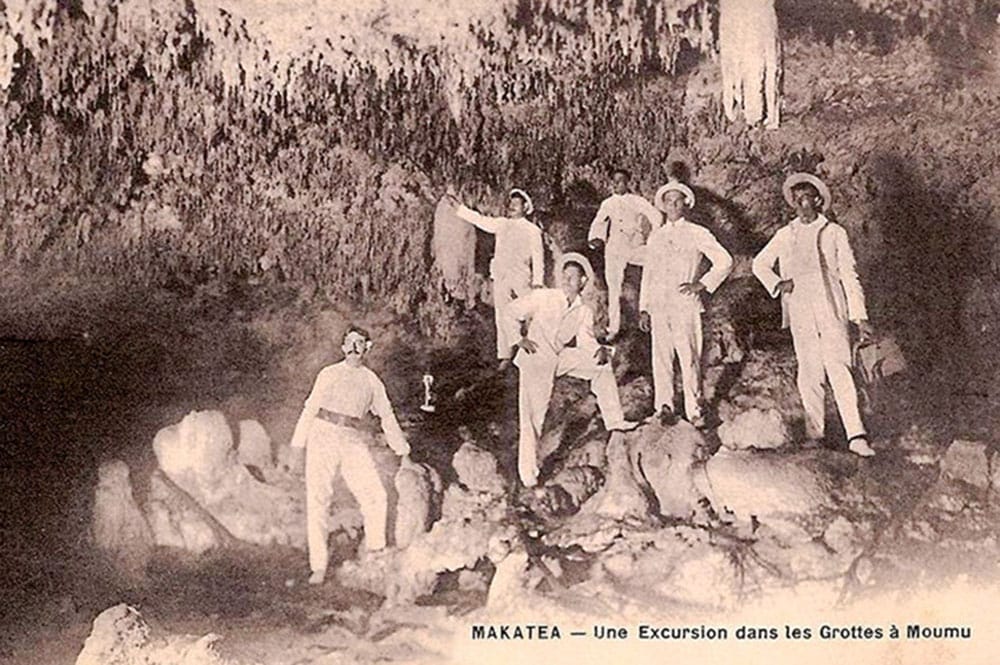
335,438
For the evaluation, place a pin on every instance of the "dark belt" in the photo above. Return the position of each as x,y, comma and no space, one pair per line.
345,421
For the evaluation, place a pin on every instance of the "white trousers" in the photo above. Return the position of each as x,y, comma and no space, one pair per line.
615,263
614,274
508,333
676,331
329,449
538,372
824,350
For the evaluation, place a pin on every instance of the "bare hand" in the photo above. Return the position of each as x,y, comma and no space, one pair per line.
526,344
866,332
644,322
785,286
691,288
602,355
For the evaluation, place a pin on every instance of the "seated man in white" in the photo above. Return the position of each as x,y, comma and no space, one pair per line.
558,340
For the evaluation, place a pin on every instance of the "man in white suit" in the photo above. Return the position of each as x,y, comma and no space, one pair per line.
518,260
820,294
670,304
558,340
621,226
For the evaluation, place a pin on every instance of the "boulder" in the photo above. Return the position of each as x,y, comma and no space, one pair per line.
967,461
255,446
477,470
798,487
754,428
418,488
765,386
678,565
119,528
622,495
177,520
470,523
120,636
666,459
197,457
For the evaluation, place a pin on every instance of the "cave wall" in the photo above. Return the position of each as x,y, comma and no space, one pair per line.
144,142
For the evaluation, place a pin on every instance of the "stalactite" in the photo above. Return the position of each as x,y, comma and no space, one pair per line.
749,54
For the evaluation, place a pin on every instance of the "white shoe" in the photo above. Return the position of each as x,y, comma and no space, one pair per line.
317,577
859,446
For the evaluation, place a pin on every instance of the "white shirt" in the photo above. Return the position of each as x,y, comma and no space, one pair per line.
518,256
674,252
618,222
350,391
817,257
555,322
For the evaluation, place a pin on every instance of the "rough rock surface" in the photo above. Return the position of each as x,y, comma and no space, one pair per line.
668,459
177,520
764,387
622,496
751,484
418,488
473,524
968,462
119,528
755,428
477,470
255,446
197,454
120,636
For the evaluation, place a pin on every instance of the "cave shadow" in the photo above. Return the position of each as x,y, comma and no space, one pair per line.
931,247
830,20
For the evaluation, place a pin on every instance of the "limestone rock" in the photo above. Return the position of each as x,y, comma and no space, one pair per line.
967,461
666,458
197,455
754,428
176,520
676,564
622,495
120,636
120,531
454,249
255,445
762,483
579,482
511,580
418,488
470,523
766,382
477,470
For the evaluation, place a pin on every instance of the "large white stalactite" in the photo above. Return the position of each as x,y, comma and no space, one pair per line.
750,55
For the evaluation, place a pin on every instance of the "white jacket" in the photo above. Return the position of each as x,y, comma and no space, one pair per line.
617,222
554,322
842,292
675,251
518,257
